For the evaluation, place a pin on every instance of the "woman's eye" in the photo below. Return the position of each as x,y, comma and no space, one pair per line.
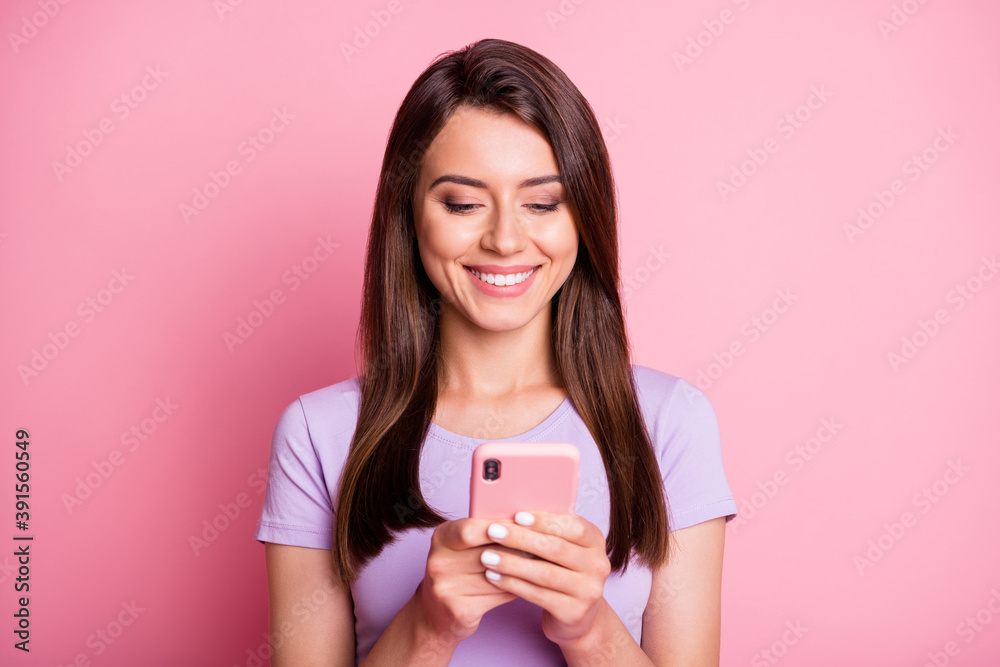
468,208
458,208
544,208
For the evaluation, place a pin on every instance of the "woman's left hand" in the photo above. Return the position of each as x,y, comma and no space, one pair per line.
566,580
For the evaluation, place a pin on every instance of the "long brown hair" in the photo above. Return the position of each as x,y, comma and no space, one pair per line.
398,336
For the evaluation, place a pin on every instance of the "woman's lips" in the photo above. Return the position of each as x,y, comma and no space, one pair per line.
495,284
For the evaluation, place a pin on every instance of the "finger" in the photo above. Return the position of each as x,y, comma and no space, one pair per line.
462,534
493,546
442,564
568,596
475,584
555,602
554,548
541,573
570,527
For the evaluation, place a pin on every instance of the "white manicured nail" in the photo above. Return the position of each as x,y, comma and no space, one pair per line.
490,558
497,531
524,518
493,576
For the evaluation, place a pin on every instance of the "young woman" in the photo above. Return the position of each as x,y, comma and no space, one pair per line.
491,311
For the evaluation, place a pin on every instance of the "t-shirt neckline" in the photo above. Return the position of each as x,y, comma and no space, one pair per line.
536,431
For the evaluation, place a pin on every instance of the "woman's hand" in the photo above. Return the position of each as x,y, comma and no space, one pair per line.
566,580
447,605
454,593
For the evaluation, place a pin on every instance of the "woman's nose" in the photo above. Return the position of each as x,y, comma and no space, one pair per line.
505,234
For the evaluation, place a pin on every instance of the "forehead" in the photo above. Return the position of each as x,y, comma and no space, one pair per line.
484,142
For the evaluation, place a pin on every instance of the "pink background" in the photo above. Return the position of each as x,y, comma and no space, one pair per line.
675,130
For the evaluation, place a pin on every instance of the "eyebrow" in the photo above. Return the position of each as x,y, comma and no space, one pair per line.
476,183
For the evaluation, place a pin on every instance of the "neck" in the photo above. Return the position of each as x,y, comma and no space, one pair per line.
478,362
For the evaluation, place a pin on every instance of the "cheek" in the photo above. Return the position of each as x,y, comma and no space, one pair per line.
561,243
444,242
439,247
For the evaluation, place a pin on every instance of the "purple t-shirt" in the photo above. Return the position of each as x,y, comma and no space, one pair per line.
311,442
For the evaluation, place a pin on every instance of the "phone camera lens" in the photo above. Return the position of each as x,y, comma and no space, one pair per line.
491,469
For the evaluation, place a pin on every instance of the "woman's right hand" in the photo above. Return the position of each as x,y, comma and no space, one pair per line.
449,601
455,593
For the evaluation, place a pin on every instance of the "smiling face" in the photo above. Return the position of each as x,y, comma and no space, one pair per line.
489,210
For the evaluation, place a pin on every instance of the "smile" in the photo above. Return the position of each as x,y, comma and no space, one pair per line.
502,280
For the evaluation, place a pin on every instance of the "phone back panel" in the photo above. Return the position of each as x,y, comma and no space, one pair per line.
540,476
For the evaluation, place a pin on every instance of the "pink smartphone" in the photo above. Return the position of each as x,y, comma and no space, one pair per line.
508,477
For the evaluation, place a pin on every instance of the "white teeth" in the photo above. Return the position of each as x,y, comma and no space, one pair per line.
501,279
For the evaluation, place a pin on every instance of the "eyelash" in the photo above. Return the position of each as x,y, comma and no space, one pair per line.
540,208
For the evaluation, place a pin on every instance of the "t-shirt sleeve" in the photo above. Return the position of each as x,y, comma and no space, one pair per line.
690,450
297,505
